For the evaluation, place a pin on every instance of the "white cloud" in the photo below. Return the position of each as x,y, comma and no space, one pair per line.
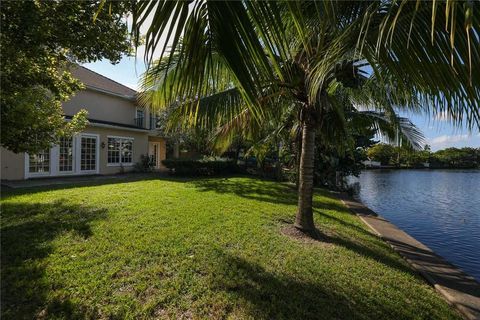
459,140
447,138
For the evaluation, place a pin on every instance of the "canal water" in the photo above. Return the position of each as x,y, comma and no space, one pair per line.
440,208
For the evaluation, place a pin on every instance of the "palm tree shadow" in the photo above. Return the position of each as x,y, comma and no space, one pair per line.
27,232
358,239
271,295
251,188
269,191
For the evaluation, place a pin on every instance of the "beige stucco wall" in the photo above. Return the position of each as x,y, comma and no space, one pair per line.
140,146
101,106
12,165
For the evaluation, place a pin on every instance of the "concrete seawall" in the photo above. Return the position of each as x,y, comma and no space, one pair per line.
458,288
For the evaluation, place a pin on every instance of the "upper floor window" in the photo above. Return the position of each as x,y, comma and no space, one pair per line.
120,151
139,118
40,162
153,121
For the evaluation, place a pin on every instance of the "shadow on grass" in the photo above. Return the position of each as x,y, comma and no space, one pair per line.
269,295
27,232
252,188
261,190
51,184
271,192
358,239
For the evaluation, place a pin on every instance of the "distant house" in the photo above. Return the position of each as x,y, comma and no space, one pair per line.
371,164
118,133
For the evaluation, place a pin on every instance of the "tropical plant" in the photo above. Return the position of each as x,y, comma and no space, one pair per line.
255,54
40,41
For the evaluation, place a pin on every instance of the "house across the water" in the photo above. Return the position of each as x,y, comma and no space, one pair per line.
118,134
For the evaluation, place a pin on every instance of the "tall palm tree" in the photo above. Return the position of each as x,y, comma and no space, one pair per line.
421,55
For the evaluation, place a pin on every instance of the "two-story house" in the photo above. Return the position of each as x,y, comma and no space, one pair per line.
118,133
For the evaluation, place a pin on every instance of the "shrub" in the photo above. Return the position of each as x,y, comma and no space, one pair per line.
204,167
145,164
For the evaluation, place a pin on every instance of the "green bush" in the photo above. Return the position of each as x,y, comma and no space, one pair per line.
204,167
145,164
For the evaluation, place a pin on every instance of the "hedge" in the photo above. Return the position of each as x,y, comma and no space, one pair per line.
200,167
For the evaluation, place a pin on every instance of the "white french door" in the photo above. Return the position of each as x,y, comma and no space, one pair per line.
77,155
87,154
154,152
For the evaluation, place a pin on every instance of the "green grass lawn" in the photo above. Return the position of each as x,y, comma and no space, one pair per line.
200,249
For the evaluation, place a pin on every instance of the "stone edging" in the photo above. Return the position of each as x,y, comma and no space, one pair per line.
458,288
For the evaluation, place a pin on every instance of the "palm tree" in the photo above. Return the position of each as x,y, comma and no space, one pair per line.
420,55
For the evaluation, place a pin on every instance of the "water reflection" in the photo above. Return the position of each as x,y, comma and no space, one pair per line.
441,208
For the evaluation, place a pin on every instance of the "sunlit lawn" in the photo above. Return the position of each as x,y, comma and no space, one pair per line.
201,249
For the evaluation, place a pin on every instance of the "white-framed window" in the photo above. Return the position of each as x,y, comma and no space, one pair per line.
88,153
153,121
139,118
39,162
119,151
65,154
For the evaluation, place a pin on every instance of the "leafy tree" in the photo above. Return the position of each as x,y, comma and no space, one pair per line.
411,158
381,152
456,158
39,41
44,115
307,52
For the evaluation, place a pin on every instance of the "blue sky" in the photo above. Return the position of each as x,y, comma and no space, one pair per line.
439,133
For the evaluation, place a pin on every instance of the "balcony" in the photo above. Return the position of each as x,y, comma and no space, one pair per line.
153,123
142,123
139,122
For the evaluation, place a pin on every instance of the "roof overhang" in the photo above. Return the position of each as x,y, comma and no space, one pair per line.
112,125
130,98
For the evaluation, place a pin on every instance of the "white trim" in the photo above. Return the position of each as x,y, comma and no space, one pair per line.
54,170
121,164
155,143
29,174
74,160
79,153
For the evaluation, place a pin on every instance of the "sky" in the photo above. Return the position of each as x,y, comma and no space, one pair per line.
439,133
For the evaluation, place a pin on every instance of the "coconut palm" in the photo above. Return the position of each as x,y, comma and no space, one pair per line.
416,54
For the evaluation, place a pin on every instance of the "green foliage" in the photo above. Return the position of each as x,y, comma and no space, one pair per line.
381,152
145,164
196,248
342,156
235,66
35,121
310,49
204,167
456,158
40,40
407,157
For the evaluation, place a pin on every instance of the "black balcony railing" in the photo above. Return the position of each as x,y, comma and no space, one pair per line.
140,122
153,123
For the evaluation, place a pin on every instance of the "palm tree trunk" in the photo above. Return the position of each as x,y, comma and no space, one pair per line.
298,147
304,218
